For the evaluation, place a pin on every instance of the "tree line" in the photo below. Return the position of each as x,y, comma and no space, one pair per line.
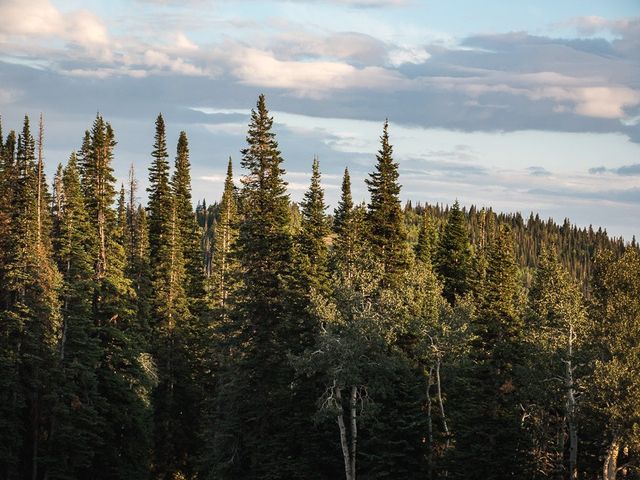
262,339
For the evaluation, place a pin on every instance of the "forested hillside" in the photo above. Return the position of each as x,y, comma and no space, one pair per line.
255,338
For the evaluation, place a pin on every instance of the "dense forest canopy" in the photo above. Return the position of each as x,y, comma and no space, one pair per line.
258,338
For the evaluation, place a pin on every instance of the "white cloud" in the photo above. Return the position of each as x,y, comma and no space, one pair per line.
415,55
162,61
590,97
260,68
40,18
105,72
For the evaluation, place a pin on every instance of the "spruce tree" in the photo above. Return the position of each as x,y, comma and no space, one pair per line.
491,411
387,236
125,372
187,225
312,239
160,204
345,205
170,315
427,239
224,265
453,261
76,423
30,322
259,417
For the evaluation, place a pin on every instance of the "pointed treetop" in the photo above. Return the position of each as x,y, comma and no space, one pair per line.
345,205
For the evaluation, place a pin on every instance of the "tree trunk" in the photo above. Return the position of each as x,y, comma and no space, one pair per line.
429,425
441,404
354,430
571,410
610,467
344,442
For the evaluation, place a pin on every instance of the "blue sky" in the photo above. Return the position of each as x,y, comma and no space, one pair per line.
522,105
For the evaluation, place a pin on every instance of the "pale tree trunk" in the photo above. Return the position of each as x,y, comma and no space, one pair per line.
610,467
348,439
445,427
571,410
354,430
40,186
344,441
430,424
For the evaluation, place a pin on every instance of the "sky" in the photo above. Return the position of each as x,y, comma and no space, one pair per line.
524,106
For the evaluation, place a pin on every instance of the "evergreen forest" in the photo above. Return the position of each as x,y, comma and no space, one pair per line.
252,337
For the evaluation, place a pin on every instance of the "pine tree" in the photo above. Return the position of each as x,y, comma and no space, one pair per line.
491,408
30,322
427,239
261,424
349,232
345,205
138,262
187,225
160,196
125,372
312,239
224,265
453,261
76,421
387,233
169,312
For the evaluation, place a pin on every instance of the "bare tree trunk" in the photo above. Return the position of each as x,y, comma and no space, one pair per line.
429,425
344,441
610,467
445,427
40,167
354,430
571,409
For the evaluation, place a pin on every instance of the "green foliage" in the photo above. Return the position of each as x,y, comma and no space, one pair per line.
256,338
314,231
384,216
615,313
453,261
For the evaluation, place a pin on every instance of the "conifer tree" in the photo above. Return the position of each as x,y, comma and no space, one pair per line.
125,372
427,239
384,216
138,261
76,424
313,233
345,205
170,313
188,228
453,261
491,408
30,321
266,427
160,204
224,264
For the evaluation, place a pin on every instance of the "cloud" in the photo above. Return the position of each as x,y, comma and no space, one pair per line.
539,171
314,79
590,97
625,170
40,18
414,55
163,61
